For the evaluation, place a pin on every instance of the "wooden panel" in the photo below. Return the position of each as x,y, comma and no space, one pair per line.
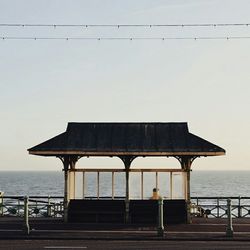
113,211
96,211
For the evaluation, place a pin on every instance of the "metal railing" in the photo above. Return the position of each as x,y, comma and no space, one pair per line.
52,206
216,207
39,206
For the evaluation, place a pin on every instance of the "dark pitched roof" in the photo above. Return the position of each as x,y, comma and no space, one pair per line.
106,139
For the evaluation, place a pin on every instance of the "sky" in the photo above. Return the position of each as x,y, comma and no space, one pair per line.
46,84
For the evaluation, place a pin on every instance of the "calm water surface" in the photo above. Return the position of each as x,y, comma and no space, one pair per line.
203,183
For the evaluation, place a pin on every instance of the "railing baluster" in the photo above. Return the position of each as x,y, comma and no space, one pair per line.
2,205
239,207
48,207
18,207
218,208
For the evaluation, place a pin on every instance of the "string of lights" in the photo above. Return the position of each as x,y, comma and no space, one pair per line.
125,25
125,38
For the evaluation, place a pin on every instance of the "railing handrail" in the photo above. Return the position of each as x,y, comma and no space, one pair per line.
219,197
52,206
31,197
20,197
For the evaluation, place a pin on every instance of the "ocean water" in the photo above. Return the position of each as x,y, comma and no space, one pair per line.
31,183
203,183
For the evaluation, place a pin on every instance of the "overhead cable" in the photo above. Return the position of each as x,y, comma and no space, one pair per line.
125,38
124,25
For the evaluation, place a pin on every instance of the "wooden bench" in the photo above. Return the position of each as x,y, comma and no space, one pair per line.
143,211
114,211
174,211
96,211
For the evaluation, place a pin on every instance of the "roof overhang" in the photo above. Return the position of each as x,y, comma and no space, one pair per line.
127,139
110,154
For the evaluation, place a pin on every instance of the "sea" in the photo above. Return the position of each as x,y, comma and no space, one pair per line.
49,183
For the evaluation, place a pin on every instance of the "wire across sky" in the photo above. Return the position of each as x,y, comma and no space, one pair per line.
126,25
127,37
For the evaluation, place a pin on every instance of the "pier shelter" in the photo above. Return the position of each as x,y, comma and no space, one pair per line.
127,141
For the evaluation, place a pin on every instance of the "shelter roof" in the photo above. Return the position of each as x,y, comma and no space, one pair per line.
118,139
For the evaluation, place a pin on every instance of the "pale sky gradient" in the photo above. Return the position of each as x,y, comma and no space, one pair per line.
45,84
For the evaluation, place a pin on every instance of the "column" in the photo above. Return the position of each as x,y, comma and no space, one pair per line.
72,185
127,184
142,184
113,184
186,162
68,163
83,185
127,160
66,186
171,185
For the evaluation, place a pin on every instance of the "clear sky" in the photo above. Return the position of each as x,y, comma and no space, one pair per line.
45,84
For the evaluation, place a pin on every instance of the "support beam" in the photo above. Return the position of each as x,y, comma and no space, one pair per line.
65,161
127,160
68,163
186,162
184,185
72,185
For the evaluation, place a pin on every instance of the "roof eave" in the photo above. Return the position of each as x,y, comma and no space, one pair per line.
122,153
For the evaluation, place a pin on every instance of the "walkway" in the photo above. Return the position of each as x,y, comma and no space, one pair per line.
201,229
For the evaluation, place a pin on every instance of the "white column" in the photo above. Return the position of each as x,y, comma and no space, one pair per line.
171,185
184,180
83,185
72,186
98,185
113,182
66,187
142,185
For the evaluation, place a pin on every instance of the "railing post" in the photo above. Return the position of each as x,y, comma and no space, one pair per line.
126,211
160,229
54,210
49,207
18,207
239,207
26,215
229,228
1,204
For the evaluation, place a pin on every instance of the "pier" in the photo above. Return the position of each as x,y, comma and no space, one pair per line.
51,228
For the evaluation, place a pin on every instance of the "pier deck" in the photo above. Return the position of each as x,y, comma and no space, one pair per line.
200,229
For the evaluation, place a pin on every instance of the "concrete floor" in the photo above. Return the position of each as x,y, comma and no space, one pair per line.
120,245
202,230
